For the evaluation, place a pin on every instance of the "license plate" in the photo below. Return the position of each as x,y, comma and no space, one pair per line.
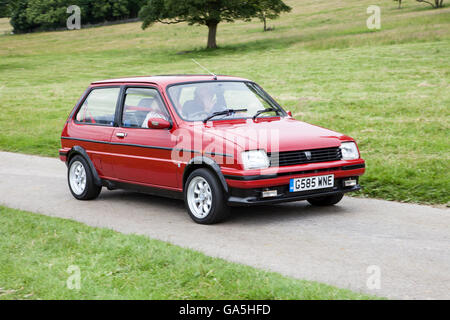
311,183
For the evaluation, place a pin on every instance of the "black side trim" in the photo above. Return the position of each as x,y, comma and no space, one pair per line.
117,143
187,150
83,153
355,166
217,154
251,178
144,146
63,153
156,191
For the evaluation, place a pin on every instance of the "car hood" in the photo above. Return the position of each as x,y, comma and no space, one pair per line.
274,134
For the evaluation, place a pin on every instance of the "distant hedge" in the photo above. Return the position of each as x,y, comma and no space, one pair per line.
4,8
40,15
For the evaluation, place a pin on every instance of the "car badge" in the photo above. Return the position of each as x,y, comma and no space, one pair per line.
308,155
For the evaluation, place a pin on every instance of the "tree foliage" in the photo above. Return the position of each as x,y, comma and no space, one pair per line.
31,15
4,8
207,12
269,9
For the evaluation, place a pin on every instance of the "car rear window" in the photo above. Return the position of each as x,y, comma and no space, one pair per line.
99,107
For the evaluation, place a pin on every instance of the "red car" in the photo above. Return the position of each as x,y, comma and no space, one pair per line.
214,141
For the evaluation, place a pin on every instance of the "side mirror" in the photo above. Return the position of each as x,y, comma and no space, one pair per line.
158,123
289,114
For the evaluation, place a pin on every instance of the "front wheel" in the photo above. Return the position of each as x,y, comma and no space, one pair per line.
204,197
81,180
327,200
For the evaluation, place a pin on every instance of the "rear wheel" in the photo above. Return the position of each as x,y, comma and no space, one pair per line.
81,180
327,200
204,197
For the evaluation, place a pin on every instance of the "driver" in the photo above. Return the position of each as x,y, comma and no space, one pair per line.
203,102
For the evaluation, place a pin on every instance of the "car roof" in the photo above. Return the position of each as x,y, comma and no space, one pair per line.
165,80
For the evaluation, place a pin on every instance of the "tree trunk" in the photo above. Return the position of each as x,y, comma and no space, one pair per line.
212,31
434,4
265,23
399,4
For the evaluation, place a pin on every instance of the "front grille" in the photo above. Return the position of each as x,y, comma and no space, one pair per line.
289,158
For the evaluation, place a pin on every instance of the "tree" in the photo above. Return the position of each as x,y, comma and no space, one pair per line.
436,4
4,8
33,15
203,12
269,9
399,3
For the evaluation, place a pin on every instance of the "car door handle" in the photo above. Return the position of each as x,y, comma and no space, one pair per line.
121,134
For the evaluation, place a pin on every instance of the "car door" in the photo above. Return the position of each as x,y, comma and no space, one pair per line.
94,125
143,155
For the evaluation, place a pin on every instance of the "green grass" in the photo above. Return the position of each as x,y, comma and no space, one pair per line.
36,252
389,89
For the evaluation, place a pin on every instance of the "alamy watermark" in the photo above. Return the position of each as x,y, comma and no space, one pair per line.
374,280
74,20
219,145
74,280
374,21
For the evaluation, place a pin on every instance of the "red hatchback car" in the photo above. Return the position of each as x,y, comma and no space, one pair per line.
214,141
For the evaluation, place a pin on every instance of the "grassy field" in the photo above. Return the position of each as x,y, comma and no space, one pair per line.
389,89
36,252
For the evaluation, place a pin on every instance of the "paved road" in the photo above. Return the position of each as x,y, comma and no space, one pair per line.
410,244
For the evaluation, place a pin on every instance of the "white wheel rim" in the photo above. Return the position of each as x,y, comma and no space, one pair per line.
199,196
77,177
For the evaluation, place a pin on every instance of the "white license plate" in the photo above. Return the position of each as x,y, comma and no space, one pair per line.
311,183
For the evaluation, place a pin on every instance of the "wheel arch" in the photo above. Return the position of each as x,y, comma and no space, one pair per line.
204,162
78,150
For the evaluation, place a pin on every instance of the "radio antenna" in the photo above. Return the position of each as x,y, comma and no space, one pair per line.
204,68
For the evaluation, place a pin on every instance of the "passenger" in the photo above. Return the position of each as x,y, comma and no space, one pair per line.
156,112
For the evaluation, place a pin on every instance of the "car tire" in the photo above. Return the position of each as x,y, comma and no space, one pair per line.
327,200
205,198
81,180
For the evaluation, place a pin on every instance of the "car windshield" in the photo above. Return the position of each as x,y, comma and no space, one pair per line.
198,101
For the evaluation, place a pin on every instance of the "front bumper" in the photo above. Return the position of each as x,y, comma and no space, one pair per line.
271,177
248,197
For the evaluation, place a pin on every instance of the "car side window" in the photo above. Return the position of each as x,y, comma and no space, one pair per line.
99,107
140,105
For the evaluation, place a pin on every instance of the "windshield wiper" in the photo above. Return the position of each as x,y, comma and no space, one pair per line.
227,112
264,111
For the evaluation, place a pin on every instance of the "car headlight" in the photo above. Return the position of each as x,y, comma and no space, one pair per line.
349,151
255,159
